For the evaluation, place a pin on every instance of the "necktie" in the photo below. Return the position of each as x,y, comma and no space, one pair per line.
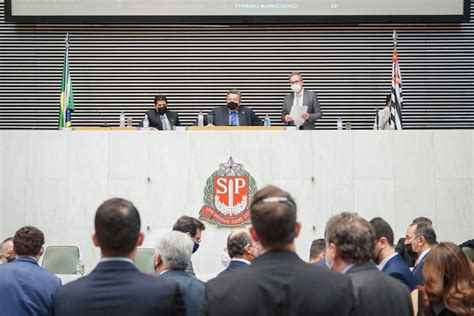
164,123
233,118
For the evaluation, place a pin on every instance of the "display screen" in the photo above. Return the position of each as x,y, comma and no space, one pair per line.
236,10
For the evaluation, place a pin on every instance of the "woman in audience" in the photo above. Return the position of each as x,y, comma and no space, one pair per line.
448,288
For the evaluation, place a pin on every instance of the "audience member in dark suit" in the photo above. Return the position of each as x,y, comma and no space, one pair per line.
350,246
301,97
387,259
420,238
277,282
25,287
160,117
194,228
7,254
408,256
173,252
241,250
115,286
317,253
448,288
234,114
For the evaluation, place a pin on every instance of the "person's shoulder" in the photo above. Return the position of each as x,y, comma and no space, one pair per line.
241,275
150,112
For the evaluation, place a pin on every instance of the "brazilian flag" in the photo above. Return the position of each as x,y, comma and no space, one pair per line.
67,98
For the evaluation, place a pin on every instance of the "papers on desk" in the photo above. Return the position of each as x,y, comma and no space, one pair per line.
296,112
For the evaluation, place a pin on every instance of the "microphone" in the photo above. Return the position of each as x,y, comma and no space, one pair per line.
103,118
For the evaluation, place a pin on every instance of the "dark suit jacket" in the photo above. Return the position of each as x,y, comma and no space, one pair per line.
155,120
192,289
418,272
232,266
397,268
26,288
279,283
310,99
118,288
377,293
247,116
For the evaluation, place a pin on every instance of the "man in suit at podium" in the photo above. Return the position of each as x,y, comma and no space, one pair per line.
301,97
234,114
162,118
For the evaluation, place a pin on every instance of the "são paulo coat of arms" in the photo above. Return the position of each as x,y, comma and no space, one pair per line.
227,195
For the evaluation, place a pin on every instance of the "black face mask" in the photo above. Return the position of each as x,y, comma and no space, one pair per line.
162,110
377,256
232,106
410,252
195,247
10,258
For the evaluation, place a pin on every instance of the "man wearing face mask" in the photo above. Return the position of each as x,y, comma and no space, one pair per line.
7,253
301,97
420,238
234,114
401,248
162,118
387,259
194,228
241,249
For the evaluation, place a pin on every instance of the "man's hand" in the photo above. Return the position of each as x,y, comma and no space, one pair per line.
288,118
305,116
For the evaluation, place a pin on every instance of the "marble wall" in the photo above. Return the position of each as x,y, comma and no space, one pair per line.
56,180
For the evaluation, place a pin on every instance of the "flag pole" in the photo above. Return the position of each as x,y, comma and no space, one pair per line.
394,38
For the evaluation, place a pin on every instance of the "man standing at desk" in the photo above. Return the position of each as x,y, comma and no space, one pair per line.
233,114
162,118
301,97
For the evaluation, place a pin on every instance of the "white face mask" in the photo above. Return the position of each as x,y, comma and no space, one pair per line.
225,259
296,87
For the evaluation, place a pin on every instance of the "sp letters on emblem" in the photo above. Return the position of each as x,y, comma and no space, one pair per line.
227,195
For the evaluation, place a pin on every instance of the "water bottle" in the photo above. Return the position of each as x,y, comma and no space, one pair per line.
267,121
339,124
80,267
122,119
200,119
146,122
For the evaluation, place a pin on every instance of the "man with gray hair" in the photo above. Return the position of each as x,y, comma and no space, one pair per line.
173,252
350,243
241,250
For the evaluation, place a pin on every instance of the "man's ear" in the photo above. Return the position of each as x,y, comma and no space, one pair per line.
253,234
41,251
332,249
297,230
140,239
158,261
95,240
